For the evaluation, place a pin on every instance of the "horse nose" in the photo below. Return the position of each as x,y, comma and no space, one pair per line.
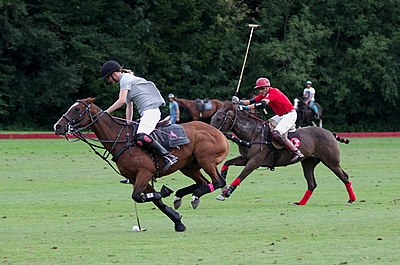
57,129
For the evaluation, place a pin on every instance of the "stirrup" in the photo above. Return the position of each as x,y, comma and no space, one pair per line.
297,157
169,160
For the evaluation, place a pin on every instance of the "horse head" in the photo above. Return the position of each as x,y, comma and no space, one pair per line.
241,123
81,115
224,119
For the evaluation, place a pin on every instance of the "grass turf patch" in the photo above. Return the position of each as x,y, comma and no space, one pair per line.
61,204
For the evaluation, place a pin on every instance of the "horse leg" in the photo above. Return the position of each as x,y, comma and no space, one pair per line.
183,192
168,211
308,165
143,192
217,182
195,174
251,165
342,175
140,192
237,161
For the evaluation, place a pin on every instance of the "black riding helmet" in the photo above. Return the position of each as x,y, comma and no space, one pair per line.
109,67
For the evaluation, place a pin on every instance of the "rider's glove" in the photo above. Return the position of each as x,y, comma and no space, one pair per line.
241,107
235,100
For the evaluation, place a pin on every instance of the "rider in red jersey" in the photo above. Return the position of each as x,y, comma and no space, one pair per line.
285,113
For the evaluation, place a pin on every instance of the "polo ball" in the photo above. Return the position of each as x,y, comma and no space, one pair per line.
135,228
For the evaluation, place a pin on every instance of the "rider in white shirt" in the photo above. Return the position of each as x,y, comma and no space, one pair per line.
309,95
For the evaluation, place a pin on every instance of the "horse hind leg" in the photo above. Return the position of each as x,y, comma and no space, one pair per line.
342,175
196,189
183,192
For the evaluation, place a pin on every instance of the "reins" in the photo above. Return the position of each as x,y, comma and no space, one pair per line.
78,133
234,120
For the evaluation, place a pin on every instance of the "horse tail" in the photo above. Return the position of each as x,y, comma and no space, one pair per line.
342,140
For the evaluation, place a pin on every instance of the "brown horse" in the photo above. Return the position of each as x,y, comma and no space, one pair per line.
251,133
196,114
207,148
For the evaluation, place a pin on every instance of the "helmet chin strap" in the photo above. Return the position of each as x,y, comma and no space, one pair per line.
115,80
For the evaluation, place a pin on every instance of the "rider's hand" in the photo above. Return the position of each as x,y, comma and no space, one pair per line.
241,107
235,100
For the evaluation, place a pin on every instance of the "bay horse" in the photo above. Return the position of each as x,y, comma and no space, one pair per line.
197,115
207,148
305,115
251,133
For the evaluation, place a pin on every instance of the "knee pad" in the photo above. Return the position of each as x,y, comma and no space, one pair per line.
143,139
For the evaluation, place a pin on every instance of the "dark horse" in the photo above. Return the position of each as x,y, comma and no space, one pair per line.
317,145
305,115
207,148
196,114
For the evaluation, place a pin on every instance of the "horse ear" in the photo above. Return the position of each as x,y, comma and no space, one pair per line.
89,100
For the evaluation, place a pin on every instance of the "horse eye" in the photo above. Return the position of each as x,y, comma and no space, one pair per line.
77,109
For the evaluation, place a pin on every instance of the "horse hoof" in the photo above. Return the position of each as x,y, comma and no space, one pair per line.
177,203
220,197
195,202
295,204
179,227
350,201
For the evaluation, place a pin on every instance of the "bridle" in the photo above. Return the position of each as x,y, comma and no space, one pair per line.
226,118
74,129
73,124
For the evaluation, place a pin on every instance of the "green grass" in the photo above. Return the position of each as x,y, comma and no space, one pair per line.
61,204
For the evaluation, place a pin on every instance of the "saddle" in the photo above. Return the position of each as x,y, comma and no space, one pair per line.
293,135
167,134
203,104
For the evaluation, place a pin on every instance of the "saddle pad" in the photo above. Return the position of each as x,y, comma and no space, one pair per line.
208,105
203,105
171,136
294,137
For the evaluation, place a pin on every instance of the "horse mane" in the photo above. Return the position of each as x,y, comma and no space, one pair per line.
254,117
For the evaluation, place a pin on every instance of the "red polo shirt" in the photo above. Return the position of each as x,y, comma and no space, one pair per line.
279,103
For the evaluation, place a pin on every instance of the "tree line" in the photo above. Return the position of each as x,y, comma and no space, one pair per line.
51,53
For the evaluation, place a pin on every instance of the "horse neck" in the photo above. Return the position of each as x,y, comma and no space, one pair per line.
184,102
107,131
246,127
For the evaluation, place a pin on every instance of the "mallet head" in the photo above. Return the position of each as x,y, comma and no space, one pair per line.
253,25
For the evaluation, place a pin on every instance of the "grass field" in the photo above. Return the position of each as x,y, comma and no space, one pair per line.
61,204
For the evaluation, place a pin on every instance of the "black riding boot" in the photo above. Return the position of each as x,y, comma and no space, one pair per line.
151,144
296,154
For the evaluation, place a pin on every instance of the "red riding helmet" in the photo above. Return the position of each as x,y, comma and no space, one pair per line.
262,82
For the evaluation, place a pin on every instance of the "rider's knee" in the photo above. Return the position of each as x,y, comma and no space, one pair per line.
276,136
142,139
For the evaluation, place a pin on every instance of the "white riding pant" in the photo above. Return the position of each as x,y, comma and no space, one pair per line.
149,120
285,122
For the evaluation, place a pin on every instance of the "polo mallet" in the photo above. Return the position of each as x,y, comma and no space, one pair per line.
252,26
137,219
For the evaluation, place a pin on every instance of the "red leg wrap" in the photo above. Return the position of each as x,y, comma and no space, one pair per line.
224,167
350,191
305,198
236,182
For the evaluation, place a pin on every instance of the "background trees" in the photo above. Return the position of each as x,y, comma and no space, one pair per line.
51,53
